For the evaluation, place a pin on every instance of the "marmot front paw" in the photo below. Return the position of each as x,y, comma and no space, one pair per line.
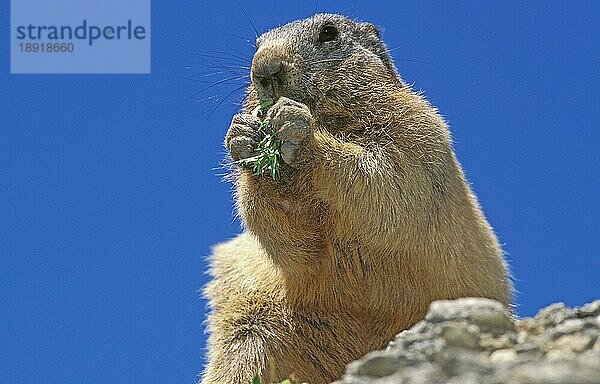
243,136
291,121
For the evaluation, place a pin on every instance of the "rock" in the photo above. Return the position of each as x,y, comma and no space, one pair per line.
491,343
443,310
460,335
590,310
503,355
489,315
494,322
456,361
553,314
549,372
472,341
376,364
575,343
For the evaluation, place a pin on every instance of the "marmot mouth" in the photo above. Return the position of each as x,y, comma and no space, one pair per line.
265,90
270,94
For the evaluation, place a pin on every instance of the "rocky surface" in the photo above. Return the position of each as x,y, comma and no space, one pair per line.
475,340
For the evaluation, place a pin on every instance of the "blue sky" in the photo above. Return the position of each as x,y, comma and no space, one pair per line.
111,193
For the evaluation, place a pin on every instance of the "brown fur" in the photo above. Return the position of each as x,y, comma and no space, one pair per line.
372,223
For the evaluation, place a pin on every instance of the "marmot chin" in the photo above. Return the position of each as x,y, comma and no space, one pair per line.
370,220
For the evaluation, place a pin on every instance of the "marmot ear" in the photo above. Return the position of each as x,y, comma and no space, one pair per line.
375,44
371,29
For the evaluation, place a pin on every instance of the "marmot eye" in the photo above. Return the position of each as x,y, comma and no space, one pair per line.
328,33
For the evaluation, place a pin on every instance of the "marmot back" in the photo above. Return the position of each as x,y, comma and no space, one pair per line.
369,221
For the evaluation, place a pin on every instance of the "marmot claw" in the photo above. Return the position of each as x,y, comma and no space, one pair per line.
243,136
291,121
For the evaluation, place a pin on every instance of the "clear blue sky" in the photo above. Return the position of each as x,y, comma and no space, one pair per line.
111,192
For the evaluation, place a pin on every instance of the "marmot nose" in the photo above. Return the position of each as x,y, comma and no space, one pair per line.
266,70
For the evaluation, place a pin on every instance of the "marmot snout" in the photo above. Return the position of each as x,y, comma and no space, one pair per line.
273,71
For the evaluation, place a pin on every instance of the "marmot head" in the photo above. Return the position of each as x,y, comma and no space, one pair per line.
326,56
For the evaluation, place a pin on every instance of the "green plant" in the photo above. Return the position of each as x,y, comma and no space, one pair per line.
268,158
291,380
